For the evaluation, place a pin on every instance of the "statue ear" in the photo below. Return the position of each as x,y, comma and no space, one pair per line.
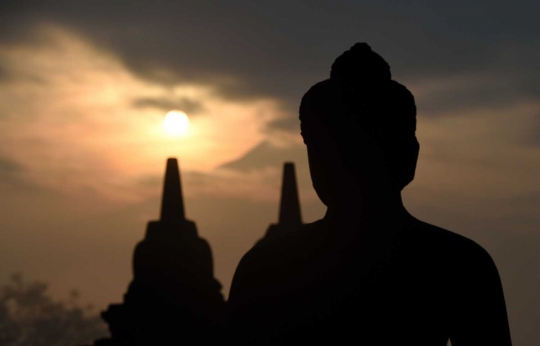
405,168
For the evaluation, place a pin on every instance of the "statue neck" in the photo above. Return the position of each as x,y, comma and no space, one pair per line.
364,212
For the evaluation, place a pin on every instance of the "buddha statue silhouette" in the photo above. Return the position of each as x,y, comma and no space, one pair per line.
368,273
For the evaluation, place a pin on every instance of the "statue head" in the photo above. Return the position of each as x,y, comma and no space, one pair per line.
359,128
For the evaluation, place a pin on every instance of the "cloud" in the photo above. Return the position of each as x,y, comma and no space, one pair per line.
266,155
287,123
253,50
474,56
8,166
10,171
14,177
4,74
187,105
78,128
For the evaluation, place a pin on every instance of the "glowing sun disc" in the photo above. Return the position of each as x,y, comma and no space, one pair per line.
176,123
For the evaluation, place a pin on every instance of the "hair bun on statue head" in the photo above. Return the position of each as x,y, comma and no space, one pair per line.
360,66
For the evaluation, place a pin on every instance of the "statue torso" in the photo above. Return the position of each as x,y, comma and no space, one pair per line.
315,287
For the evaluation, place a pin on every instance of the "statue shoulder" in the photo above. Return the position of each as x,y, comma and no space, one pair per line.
460,251
272,260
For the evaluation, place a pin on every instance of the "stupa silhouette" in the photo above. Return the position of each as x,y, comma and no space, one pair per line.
174,297
290,216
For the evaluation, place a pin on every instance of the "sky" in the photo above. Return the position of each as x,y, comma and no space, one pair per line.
85,86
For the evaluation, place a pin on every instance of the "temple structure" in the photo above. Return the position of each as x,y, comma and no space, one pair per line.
290,216
174,297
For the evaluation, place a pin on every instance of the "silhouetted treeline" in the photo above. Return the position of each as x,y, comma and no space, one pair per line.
29,316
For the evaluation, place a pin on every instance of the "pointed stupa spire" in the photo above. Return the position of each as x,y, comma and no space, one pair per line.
172,202
289,208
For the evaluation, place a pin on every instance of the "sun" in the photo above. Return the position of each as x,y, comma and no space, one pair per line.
176,123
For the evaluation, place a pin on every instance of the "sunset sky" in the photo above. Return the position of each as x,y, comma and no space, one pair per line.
85,87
